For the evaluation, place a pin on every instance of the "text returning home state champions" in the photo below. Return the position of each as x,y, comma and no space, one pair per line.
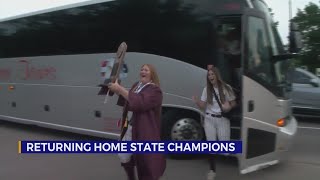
130,147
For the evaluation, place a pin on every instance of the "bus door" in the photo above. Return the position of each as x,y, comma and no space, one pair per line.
258,128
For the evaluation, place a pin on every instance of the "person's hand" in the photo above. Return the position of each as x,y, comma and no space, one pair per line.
195,99
198,102
226,106
114,87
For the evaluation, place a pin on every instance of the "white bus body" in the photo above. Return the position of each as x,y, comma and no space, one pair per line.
50,64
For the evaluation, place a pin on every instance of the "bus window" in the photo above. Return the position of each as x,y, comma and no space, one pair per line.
273,41
259,64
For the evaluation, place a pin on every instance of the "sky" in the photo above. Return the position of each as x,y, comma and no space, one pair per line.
280,8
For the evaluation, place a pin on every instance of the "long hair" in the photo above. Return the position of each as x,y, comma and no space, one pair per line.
155,79
220,83
154,75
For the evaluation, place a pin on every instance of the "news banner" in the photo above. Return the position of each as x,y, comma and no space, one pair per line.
135,147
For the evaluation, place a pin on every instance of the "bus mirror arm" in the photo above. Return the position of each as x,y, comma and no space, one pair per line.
283,57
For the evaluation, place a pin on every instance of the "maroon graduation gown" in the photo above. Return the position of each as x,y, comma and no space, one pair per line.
146,126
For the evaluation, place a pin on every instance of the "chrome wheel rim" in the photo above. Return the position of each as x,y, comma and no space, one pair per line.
186,129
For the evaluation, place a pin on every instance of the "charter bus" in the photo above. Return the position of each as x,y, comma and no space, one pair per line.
51,63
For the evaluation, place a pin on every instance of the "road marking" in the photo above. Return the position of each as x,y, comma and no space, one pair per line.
304,127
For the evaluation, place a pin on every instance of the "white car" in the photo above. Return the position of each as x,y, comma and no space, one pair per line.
305,93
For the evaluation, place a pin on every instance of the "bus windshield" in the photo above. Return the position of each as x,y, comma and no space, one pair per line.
256,55
264,42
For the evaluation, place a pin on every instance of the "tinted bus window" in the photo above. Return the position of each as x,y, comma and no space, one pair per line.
175,29
259,64
178,29
262,7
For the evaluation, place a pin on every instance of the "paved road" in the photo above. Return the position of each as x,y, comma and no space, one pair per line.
303,163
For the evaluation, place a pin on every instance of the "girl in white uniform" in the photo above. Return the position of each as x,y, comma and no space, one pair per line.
215,125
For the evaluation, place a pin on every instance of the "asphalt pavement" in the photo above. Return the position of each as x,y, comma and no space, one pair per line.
303,161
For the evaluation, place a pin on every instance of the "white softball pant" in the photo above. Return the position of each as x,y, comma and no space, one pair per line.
217,128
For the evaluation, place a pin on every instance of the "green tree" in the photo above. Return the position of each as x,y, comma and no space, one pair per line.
308,21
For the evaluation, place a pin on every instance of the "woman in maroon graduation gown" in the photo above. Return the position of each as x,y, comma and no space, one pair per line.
144,100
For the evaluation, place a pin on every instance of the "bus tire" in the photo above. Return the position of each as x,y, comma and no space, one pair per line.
181,126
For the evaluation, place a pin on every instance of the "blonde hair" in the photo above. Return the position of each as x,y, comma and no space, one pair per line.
154,75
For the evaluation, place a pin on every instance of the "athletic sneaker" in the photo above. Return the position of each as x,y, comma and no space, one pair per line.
211,175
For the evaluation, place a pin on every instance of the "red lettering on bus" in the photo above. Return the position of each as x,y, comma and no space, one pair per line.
5,74
34,73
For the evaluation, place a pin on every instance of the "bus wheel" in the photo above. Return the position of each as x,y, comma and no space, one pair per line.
181,126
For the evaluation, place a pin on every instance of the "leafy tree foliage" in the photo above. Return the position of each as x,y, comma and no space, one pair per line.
308,21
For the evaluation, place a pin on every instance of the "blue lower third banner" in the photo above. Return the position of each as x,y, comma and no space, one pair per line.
136,147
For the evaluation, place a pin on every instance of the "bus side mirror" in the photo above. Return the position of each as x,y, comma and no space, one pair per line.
295,38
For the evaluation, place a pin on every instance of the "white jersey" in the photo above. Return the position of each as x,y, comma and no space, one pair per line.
214,108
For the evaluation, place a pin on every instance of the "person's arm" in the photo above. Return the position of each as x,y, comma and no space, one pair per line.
118,89
230,98
201,104
123,92
233,103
